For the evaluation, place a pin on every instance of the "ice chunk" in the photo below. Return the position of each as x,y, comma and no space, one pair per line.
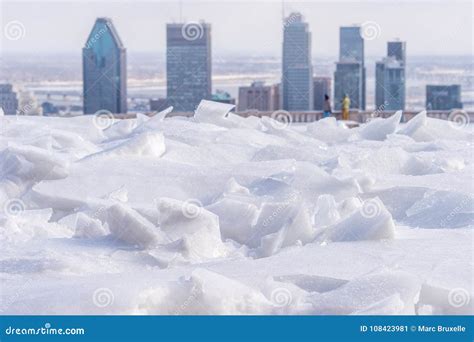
281,224
236,218
84,226
326,211
144,144
371,222
194,227
213,112
328,130
162,115
205,293
32,163
392,292
379,128
127,225
233,187
422,128
442,209
414,124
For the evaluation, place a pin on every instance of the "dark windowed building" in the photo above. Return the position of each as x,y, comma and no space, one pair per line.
8,99
321,87
443,97
188,65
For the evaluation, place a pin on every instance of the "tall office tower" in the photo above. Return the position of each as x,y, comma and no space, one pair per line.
397,49
297,77
389,84
390,78
104,70
443,97
348,81
8,99
351,53
321,87
188,65
258,96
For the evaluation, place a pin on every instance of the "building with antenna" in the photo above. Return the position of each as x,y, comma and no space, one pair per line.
188,64
297,70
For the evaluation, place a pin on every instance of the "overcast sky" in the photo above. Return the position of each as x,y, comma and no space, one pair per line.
246,27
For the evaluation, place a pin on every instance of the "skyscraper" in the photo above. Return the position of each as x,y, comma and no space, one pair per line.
259,97
351,61
351,44
188,64
321,87
348,81
104,70
8,99
443,97
297,77
390,78
397,49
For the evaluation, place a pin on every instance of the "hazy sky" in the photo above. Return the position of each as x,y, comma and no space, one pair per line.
247,27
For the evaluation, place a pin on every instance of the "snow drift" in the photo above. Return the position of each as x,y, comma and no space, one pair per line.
219,214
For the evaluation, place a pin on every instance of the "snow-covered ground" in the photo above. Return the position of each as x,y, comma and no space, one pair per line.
226,215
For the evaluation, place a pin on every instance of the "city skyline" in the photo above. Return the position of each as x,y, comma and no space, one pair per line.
261,33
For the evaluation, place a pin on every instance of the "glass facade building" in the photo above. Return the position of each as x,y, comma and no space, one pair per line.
297,71
390,78
351,54
104,70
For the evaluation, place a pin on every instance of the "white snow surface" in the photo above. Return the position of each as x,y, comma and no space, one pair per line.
220,214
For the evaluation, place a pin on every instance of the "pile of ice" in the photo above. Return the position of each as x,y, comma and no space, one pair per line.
219,214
